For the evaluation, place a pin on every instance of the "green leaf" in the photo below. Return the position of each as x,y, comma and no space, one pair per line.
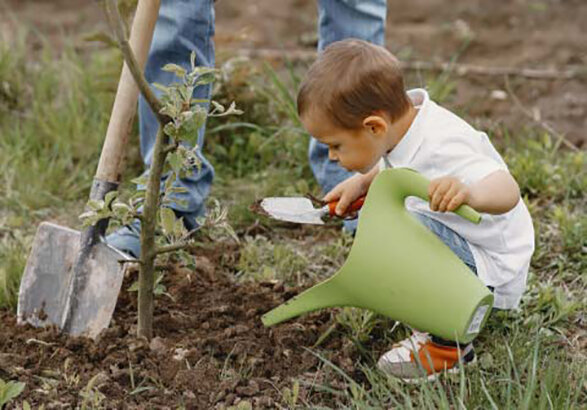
178,190
142,180
134,287
110,196
174,68
170,130
179,229
175,162
192,121
162,87
121,210
186,93
180,202
169,182
102,38
167,217
95,205
87,215
205,79
9,391
200,71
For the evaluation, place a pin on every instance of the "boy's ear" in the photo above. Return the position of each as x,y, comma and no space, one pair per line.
375,124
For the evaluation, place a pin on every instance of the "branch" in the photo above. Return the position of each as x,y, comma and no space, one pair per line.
459,69
170,148
173,247
117,25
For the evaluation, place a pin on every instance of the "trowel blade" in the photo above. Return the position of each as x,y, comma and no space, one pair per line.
47,275
298,210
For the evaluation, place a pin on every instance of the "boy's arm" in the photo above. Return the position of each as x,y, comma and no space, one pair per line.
497,193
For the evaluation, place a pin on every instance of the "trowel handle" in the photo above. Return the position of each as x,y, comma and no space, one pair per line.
353,207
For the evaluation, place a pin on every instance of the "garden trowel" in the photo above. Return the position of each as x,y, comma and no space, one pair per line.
72,279
301,210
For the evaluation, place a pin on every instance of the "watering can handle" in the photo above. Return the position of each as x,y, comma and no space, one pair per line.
415,184
465,211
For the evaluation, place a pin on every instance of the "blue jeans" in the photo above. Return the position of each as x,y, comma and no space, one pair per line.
183,26
186,25
453,240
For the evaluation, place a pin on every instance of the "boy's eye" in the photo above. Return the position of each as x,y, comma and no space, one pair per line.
335,147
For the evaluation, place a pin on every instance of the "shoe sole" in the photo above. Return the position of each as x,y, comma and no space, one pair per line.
434,376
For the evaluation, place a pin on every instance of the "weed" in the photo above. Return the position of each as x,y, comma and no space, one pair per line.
92,397
13,249
291,396
542,170
9,391
293,261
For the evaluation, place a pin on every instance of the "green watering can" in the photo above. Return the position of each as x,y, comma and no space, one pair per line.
398,268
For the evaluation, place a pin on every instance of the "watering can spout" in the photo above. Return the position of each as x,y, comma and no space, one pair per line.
323,295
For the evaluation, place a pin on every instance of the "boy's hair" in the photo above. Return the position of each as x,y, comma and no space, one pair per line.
352,79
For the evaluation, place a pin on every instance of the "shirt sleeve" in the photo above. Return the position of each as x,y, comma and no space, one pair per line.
469,157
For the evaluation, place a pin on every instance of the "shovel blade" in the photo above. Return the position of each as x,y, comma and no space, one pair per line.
42,298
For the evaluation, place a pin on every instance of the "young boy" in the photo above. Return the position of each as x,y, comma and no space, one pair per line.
353,100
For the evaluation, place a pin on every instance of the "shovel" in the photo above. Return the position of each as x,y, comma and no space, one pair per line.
72,279
301,210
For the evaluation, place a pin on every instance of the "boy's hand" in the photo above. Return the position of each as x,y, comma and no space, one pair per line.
447,194
346,192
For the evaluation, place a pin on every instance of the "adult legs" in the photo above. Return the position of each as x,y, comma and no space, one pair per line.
337,20
183,26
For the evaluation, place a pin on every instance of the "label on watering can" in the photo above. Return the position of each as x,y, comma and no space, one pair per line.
475,324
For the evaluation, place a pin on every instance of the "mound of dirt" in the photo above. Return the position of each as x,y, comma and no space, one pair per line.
210,349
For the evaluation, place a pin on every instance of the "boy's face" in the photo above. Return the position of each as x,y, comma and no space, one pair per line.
356,150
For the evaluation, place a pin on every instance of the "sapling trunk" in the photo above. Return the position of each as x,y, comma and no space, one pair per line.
148,226
151,205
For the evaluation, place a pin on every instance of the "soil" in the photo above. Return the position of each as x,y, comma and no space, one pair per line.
210,349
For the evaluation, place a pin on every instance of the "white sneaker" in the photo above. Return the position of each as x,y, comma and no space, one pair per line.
419,357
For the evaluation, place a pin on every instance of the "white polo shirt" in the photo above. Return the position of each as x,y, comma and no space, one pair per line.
439,143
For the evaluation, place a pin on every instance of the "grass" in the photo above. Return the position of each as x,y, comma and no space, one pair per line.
53,114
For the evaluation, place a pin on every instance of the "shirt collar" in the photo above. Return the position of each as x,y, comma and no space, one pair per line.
404,151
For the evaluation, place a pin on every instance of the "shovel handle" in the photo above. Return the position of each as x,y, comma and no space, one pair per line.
125,104
353,207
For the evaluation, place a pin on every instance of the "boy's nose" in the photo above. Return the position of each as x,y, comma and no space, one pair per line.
332,156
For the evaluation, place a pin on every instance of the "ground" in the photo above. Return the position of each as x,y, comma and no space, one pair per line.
210,348
522,34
